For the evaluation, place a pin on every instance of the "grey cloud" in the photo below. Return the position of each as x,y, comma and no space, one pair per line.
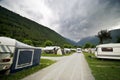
86,17
74,19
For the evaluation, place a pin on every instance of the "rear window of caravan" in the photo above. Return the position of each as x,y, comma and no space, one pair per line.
107,49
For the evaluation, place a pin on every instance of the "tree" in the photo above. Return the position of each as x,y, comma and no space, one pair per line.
67,46
103,35
48,43
87,45
29,42
93,46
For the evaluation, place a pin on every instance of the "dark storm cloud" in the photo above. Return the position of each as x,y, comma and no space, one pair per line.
74,19
79,19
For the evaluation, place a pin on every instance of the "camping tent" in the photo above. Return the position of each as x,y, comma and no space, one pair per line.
53,50
21,55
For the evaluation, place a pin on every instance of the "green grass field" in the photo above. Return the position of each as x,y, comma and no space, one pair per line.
103,69
21,74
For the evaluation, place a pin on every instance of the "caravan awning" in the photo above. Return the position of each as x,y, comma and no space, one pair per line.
4,49
12,44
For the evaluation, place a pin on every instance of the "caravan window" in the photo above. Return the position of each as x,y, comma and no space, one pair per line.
107,49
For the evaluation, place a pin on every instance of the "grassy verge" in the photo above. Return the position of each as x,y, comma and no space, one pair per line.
103,69
21,74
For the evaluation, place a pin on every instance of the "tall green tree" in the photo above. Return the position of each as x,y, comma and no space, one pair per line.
67,46
93,46
48,43
87,45
103,35
29,42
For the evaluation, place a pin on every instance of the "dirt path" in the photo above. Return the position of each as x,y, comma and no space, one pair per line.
73,67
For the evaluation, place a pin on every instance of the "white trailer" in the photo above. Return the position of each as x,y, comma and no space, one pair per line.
108,51
79,50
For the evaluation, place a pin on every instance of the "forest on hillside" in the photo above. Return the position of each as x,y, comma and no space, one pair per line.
15,26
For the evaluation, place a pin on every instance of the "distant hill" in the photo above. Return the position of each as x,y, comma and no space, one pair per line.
115,34
92,39
15,26
71,41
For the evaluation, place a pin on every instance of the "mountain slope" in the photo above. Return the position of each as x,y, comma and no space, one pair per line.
21,28
71,42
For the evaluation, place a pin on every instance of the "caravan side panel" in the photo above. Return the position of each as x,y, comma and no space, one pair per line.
37,55
108,52
24,58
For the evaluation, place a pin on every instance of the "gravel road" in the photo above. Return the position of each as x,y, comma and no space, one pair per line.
73,67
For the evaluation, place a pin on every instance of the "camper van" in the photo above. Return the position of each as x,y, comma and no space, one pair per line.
108,51
79,50
15,56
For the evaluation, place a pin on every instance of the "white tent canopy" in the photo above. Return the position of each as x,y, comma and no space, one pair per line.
51,47
12,43
7,41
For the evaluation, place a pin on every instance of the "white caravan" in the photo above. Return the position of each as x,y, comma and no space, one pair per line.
79,50
108,51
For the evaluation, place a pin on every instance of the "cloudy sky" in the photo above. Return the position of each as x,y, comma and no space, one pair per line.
74,19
